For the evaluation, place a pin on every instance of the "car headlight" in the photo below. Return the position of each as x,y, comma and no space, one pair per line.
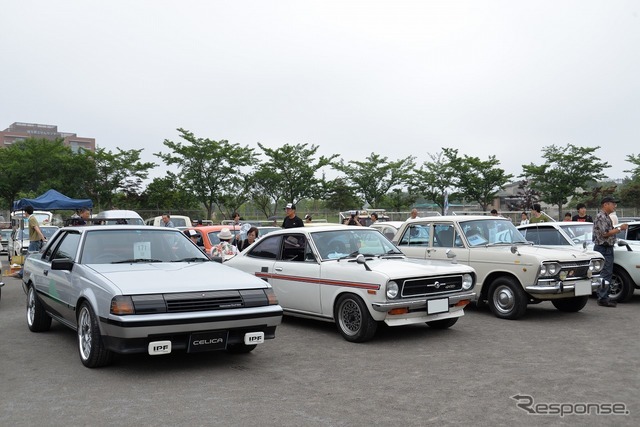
549,269
467,281
596,265
392,290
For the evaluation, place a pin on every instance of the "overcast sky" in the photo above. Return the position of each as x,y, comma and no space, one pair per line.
395,77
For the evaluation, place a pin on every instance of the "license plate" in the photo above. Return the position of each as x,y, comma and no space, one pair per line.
582,288
208,341
436,306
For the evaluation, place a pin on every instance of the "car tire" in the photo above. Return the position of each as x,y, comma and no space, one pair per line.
570,305
507,300
93,353
353,319
443,324
37,319
622,286
240,348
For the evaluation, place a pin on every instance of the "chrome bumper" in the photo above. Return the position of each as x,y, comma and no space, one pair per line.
415,303
559,287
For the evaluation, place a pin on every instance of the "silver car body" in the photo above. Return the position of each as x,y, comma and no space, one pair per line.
176,290
626,259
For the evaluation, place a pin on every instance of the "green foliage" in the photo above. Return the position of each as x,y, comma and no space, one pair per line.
374,177
211,170
438,176
341,196
288,175
397,200
635,172
164,194
479,180
565,171
630,194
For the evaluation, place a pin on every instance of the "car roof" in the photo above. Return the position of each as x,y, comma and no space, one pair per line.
457,218
117,214
210,228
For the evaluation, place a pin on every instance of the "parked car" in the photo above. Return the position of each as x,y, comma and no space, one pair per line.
140,289
179,221
5,235
632,233
388,228
19,239
626,259
355,277
117,216
512,273
208,235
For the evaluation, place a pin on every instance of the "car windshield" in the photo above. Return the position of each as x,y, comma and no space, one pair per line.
579,232
112,246
353,241
490,232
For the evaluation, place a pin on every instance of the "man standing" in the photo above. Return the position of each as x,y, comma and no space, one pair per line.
537,215
413,214
166,220
374,218
83,217
36,238
291,220
604,239
582,214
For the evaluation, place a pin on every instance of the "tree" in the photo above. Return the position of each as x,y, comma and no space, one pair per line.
437,177
289,174
526,195
113,173
211,170
376,176
480,180
397,200
341,196
630,194
565,172
635,172
166,194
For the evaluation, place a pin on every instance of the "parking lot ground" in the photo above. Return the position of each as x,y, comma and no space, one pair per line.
309,376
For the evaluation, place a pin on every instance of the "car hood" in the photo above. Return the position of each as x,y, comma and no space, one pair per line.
405,267
152,278
554,253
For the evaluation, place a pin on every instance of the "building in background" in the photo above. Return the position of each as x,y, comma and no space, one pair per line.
21,131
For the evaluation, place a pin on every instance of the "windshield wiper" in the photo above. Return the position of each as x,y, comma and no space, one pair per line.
192,259
136,260
351,255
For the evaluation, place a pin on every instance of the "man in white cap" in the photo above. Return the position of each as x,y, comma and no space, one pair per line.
291,220
193,235
224,249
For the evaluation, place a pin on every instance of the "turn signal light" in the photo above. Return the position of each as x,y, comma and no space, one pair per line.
403,310
462,303
121,305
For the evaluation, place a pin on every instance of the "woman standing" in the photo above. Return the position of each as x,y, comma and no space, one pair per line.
252,235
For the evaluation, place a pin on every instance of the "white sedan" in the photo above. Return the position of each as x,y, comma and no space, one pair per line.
355,277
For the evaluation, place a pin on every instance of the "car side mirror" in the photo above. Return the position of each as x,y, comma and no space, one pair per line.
360,259
62,264
217,259
452,256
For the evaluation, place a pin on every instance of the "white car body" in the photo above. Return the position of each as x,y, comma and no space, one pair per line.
509,269
626,258
325,272
388,228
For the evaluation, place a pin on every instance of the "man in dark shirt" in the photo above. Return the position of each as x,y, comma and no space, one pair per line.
291,220
604,238
582,214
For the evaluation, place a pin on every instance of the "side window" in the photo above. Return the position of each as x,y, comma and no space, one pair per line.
293,248
416,235
68,247
445,236
52,245
267,247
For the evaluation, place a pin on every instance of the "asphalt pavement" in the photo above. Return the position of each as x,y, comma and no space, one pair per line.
547,368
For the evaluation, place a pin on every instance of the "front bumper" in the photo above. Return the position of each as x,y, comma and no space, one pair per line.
419,303
567,288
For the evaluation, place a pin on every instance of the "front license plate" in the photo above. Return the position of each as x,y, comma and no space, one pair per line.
582,288
436,306
208,341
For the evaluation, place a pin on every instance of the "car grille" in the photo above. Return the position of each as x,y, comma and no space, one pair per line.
199,301
575,270
430,285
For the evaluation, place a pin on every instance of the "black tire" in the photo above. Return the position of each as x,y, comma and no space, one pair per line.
443,324
240,348
506,298
622,286
570,305
93,353
37,319
353,319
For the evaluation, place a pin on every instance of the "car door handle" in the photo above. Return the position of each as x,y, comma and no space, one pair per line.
278,269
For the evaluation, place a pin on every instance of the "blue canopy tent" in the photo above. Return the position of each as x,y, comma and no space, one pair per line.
52,200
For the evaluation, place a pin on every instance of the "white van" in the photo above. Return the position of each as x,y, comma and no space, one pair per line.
178,221
117,216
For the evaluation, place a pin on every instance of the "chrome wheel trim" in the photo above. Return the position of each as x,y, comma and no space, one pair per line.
615,288
31,306
84,333
350,317
504,299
